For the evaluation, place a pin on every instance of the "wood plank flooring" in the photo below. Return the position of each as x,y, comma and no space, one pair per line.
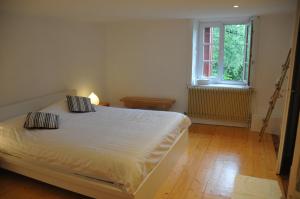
207,169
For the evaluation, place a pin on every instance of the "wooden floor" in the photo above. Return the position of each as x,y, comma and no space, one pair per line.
207,170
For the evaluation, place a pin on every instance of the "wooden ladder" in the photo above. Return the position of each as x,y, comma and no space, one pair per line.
275,95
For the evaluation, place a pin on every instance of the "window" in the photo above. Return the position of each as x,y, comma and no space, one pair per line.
223,52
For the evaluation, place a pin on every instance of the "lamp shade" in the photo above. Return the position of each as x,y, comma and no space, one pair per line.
94,98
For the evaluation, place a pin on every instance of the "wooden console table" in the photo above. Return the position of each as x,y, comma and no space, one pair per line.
148,103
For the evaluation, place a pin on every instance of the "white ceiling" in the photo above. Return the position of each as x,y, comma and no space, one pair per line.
101,10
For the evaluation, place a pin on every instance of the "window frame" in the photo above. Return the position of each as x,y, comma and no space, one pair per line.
199,63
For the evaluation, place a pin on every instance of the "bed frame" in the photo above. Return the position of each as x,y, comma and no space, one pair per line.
85,186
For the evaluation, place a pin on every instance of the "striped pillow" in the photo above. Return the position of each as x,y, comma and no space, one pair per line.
79,104
41,120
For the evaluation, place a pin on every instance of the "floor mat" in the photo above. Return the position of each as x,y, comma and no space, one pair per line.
247,187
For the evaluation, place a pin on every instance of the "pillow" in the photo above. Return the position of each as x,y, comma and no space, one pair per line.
79,104
41,120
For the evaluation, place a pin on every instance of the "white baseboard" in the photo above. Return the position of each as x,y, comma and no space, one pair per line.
256,123
273,126
219,122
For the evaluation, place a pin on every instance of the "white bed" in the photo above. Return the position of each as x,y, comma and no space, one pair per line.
110,153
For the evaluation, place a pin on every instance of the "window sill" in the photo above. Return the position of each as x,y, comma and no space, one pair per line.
223,86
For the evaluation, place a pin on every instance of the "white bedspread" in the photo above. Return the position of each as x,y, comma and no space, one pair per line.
116,145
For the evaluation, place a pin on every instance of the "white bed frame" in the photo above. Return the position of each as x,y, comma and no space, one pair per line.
88,187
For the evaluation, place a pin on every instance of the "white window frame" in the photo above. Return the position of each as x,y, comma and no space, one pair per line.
199,62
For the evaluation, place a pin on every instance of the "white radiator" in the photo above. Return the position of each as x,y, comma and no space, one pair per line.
215,103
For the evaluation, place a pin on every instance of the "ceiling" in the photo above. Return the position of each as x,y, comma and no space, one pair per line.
101,10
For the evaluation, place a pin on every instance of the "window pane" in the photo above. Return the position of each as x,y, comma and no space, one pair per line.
207,52
215,69
206,68
207,35
234,52
210,68
248,51
210,60
215,50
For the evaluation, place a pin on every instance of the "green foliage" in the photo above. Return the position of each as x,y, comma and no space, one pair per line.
234,48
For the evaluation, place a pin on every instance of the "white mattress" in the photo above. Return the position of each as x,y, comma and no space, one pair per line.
116,145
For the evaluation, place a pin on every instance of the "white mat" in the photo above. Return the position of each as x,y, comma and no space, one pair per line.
247,187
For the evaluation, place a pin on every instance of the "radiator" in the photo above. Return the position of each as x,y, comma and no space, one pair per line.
227,104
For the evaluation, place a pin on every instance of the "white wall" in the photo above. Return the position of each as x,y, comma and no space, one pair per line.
274,35
44,55
148,58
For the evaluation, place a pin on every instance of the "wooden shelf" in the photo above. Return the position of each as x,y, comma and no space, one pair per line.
104,104
148,103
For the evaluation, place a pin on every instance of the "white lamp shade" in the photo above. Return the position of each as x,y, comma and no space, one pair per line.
94,98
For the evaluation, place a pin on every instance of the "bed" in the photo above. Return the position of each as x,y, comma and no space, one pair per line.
111,153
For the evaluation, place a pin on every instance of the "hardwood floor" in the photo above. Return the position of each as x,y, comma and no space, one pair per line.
207,169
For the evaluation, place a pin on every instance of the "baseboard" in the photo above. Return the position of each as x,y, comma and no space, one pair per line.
220,122
273,126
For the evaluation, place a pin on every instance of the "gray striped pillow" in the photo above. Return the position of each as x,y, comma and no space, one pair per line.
79,104
41,120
